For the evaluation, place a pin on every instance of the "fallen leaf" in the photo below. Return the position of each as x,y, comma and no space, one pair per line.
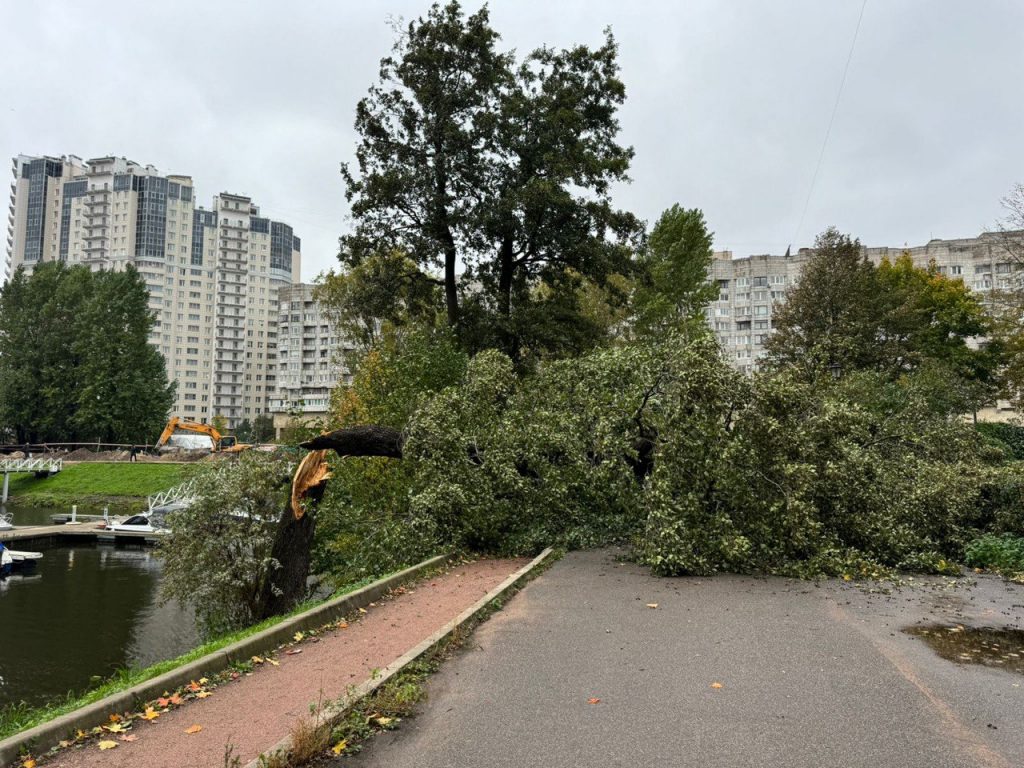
257,659
194,686
97,730
115,728
150,714
203,681
162,702
716,685
274,662
847,577
127,737
362,610
29,763
342,625
383,721
339,747
63,743
203,694
176,700
115,718
108,745
298,637
293,652
652,605
593,701
194,729
80,734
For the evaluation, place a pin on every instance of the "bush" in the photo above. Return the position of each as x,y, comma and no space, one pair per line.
999,553
217,556
1009,437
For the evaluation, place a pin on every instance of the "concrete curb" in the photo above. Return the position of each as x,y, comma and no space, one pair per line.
46,735
333,713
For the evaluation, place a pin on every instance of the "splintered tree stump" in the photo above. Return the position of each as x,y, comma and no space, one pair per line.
293,542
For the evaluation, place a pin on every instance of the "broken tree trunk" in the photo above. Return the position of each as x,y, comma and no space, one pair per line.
293,542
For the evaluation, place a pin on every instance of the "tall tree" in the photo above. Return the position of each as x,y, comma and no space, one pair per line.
466,156
673,288
831,316
75,363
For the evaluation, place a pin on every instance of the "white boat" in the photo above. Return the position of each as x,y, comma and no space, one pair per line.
22,559
135,524
6,562
6,521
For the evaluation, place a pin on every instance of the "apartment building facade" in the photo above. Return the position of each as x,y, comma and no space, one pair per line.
212,274
310,359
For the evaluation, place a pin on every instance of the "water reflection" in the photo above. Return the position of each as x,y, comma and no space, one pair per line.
86,611
989,646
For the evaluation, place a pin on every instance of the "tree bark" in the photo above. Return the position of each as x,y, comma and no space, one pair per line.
293,543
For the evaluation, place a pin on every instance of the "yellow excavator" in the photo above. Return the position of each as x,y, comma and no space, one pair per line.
221,443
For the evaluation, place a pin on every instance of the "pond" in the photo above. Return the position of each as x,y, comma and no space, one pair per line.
83,613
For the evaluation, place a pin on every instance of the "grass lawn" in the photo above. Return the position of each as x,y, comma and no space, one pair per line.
97,480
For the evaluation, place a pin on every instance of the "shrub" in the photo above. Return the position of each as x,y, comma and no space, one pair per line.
1009,437
999,553
217,556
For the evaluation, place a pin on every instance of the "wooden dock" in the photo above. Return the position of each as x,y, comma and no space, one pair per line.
65,534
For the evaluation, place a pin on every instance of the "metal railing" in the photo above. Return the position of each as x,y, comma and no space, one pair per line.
184,493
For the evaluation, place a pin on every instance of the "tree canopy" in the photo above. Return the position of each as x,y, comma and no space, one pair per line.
75,362
849,315
469,157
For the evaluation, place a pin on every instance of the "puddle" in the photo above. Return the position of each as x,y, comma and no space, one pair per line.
1000,648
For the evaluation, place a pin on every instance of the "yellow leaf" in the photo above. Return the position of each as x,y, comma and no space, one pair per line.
115,728
108,745
64,743
846,577
383,721
362,610
193,729
29,763
275,662
150,714
298,637
652,605
203,694
115,718
257,659
80,734
716,685
339,747
203,681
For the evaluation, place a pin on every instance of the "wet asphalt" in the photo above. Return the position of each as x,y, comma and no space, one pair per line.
810,674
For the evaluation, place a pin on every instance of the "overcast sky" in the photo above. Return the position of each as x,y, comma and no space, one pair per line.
727,104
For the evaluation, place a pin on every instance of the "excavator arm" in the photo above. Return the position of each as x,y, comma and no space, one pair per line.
220,442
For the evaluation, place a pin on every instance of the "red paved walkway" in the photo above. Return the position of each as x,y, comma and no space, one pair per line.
254,713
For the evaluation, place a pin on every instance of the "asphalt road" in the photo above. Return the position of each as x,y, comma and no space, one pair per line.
811,675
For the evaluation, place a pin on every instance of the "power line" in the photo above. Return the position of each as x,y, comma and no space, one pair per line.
828,131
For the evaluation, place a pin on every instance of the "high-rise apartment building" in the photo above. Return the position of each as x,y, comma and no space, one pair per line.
309,358
212,275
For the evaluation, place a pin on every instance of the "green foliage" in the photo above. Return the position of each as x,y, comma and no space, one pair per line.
364,526
259,430
673,288
217,556
848,315
1009,437
75,363
1004,554
381,292
864,474
468,156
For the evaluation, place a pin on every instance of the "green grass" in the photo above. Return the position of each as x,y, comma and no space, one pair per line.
15,718
95,481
